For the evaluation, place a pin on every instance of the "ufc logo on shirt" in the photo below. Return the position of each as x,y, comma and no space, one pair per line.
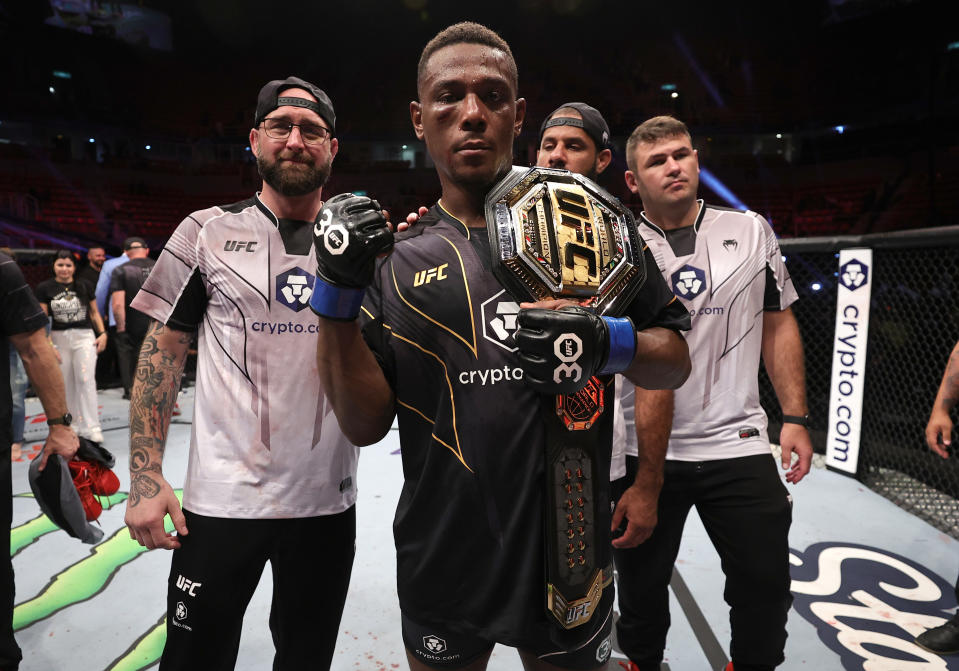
425,276
239,245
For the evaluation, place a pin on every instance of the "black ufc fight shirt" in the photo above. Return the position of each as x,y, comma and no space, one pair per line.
469,523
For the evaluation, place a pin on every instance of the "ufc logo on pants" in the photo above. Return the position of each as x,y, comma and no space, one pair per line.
187,585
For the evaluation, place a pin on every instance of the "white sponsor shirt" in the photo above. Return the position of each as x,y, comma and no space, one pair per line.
265,442
624,427
727,269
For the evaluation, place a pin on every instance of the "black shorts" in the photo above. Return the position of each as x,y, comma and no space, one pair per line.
441,648
217,568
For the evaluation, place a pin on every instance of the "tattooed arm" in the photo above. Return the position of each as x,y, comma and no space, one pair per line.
155,387
939,429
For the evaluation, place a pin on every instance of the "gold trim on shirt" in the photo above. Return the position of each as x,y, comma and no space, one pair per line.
456,219
469,300
411,408
458,451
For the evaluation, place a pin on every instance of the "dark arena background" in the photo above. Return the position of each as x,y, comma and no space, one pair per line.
838,120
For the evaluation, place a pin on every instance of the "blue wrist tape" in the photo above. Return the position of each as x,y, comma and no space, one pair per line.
333,302
622,344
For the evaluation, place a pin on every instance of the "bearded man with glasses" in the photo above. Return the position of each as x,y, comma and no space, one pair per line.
271,476
302,153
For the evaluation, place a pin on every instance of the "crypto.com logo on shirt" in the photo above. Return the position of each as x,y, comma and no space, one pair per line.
688,282
294,288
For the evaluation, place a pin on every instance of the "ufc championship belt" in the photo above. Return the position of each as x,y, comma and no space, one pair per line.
555,234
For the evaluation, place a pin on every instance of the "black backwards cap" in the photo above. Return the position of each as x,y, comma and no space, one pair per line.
270,98
592,122
132,241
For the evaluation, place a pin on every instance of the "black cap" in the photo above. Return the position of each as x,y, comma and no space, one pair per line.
592,122
133,241
269,99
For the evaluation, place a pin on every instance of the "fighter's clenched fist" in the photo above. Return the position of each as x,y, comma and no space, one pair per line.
559,350
349,233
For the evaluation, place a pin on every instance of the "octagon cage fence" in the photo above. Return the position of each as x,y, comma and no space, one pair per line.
913,326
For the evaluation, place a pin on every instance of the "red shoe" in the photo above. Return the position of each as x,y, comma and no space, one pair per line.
84,485
729,667
105,481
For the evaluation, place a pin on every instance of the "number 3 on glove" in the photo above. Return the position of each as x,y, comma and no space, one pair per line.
560,349
348,234
334,236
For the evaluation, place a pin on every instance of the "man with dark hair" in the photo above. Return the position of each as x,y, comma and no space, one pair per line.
90,273
467,32
106,272
469,526
132,324
108,364
23,324
271,478
726,267
575,137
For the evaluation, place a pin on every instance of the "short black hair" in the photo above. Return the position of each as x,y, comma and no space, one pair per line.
467,32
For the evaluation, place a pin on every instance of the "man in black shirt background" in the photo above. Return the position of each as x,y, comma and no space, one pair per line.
23,325
132,324
90,273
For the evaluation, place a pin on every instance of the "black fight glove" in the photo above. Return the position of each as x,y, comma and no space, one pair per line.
559,350
349,233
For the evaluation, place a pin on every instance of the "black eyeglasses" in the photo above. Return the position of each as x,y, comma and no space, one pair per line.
280,129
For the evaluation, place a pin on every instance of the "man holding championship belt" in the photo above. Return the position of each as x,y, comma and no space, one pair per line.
429,335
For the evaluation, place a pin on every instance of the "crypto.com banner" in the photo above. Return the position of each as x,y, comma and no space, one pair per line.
849,359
